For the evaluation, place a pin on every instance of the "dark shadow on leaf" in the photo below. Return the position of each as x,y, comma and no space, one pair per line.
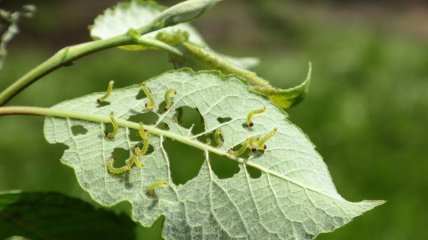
224,120
103,104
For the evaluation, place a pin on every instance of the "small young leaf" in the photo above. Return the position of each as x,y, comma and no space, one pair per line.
136,13
293,198
54,216
184,12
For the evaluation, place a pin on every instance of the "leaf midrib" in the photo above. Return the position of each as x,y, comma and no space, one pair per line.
52,112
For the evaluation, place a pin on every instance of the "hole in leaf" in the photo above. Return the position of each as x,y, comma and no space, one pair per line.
108,128
120,155
78,130
188,117
154,232
246,154
223,167
149,150
163,126
134,135
185,161
148,118
207,138
161,108
103,104
224,120
254,172
140,95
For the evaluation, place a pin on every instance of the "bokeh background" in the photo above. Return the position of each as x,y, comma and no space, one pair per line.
367,110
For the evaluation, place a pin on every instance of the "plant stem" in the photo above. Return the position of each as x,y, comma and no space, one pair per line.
67,55
62,58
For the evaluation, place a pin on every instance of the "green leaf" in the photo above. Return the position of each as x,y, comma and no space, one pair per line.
54,216
185,11
294,198
136,13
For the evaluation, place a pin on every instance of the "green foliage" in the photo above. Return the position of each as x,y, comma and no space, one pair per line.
54,216
294,181
134,14
290,196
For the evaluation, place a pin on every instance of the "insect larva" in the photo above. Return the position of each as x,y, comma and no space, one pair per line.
248,143
240,151
115,127
250,115
151,104
135,159
217,138
252,144
151,189
141,130
170,93
146,137
145,143
261,143
114,170
107,94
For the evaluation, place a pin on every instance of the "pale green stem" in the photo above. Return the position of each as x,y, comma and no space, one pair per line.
70,54
49,112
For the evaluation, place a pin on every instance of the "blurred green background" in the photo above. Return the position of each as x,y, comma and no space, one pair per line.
367,110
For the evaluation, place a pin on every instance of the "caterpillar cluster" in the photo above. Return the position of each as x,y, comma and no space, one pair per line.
151,104
134,160
254,144
137,151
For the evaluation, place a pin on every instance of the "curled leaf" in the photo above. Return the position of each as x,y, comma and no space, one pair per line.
286,98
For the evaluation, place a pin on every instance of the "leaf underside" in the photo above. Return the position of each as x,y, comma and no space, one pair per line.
294,198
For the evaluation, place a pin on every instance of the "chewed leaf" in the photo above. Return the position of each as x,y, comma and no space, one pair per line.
286,98
293,198
134,14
